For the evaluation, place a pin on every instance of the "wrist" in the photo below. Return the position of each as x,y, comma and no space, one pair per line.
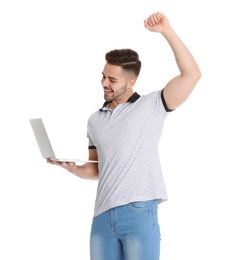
74,168
167,30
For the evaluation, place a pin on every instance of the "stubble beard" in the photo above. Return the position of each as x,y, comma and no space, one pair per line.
117,94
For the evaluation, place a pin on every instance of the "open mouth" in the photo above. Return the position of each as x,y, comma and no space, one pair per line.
108,90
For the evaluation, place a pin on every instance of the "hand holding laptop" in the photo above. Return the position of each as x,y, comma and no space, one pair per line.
86,171
69,166
45,144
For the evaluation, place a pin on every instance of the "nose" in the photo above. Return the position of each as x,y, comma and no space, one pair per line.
105,82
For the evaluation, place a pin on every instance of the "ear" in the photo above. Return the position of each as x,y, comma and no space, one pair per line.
131,82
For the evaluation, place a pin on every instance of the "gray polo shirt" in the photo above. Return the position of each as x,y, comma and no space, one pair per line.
127,141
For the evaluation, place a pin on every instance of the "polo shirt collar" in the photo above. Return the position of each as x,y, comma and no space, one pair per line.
132,99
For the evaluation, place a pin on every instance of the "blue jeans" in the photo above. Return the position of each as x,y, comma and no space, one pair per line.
128,232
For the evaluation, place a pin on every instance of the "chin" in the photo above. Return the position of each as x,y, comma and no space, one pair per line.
107,98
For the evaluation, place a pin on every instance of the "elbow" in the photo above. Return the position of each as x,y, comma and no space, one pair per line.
94,176
194,77
197,75
94,172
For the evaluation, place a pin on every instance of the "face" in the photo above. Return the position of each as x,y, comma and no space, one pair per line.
117,85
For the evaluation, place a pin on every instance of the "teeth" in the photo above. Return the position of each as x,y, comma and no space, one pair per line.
106,90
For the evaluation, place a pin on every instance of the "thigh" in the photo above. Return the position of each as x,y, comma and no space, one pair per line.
104,245
140,231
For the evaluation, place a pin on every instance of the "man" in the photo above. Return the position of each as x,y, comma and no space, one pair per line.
124,137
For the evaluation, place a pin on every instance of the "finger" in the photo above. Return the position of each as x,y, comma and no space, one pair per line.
71,163
159,16
154,19
53,162
146,24
56,163
148,27
151,20
64,164
50,161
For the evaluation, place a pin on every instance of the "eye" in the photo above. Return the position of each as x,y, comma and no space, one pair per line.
112,80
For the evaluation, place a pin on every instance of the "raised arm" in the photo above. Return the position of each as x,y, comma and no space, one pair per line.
87,171
180,87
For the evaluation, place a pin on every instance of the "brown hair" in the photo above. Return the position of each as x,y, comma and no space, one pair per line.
125,58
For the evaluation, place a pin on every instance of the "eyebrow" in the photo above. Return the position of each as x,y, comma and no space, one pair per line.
109,76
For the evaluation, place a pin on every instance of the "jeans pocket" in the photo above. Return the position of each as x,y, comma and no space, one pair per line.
140,205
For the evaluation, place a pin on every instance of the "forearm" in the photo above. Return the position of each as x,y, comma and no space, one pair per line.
184,59
87,171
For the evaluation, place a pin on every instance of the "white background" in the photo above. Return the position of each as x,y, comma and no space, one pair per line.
51,59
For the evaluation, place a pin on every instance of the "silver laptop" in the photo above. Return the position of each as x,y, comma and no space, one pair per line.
44,143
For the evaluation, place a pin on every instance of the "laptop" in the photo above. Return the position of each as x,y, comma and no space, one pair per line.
44,143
